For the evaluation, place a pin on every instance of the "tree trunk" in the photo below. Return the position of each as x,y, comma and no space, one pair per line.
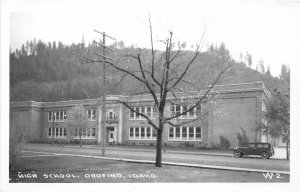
159,147
80,141
288,148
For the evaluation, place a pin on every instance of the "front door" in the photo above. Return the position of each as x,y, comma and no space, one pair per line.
111,134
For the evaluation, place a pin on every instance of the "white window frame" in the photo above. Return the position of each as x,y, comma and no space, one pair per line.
108,115
92,113
61,130
85,135
188,134
188,115
138,137
142,109
59,116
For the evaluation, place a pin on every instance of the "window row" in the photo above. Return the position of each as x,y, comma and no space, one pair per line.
185,133
142,133
61,116
85,134
57,116
148,111
57,132
179,109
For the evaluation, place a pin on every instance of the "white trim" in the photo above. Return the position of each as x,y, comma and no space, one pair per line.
99,126
62,130
60,119
120,124
139,138
92,118
84,135
187,136
139,109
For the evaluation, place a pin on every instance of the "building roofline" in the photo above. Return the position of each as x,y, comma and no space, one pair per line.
146,97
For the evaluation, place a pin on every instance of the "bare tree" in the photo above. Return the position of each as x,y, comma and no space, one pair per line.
18,136
163,78
77,121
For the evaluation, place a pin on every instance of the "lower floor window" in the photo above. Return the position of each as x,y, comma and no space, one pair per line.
57,132
85,133
185,133
142,133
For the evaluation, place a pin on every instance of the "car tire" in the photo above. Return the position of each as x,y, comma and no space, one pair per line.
237,154
265,155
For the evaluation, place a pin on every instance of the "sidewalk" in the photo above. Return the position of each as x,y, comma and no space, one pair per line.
180,158
280,153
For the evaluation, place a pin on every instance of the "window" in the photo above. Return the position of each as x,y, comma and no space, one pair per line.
110,115
57,116
191,133
57,132
85,134
49,116
148,111
198,133
171,133
154,133
184,108
61,116
92,114
266,146
131,115
142,133
177,133
252,145
148,132
259,145
185,133
178,109
131,132
50,132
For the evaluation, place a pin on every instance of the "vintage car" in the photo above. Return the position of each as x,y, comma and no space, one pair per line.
265,150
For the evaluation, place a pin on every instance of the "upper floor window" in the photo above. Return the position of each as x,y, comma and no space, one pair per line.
57,116
92,114
146,110
179,109
110,115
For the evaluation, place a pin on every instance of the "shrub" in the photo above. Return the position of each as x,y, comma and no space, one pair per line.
17,138
224,142
242,138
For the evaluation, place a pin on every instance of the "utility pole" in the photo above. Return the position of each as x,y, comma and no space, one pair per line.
103,117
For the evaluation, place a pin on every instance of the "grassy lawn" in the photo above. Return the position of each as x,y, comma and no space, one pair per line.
66,169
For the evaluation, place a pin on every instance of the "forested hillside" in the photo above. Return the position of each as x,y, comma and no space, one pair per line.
48,72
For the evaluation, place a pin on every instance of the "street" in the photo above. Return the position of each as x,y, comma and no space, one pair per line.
245,162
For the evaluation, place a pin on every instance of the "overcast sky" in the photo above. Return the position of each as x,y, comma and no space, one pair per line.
269,30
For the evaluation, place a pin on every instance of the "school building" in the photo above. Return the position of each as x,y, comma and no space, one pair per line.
234,106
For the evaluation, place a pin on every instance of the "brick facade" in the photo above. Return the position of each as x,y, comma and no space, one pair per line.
234,106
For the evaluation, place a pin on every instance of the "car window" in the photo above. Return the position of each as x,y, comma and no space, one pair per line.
266,146
259,145
252,145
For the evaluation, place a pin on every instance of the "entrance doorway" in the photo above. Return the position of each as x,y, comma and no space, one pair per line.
111,135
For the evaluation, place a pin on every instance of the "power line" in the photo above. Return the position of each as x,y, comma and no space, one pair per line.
103,117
